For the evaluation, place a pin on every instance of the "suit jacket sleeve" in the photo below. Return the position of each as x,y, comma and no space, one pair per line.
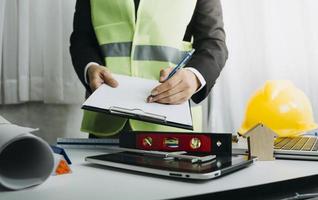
206,28
84,46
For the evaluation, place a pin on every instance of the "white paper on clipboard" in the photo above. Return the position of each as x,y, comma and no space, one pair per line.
131,95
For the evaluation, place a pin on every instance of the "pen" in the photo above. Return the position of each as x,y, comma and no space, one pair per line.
181,64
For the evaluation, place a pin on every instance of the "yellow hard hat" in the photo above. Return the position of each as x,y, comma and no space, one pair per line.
280,106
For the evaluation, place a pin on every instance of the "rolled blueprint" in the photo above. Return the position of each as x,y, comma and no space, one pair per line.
25,159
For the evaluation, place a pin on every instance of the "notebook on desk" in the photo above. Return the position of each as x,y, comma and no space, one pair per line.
129,100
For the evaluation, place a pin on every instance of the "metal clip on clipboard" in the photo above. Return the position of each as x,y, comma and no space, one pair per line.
137,113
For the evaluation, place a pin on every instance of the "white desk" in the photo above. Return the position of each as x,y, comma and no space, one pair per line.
88,182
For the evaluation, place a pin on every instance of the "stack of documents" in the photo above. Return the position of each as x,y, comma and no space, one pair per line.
129,100
25,160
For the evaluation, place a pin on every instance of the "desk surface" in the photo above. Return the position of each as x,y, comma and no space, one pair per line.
94,182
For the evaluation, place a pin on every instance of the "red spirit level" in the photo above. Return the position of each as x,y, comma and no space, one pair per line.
210,143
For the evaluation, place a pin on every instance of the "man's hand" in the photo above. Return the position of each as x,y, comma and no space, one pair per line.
175,90
98,75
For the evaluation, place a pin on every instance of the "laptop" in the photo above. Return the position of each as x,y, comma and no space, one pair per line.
302,147
217,167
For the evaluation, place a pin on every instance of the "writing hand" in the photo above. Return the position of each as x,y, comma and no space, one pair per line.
175,90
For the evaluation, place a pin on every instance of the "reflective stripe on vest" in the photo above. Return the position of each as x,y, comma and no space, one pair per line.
139,47
143,52
122,49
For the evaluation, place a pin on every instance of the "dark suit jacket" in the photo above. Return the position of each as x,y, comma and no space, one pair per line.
206,27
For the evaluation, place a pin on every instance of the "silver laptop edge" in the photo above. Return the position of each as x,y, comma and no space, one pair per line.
176,174
156,171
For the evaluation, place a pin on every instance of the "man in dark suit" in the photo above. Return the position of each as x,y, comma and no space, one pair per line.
195,81
206,28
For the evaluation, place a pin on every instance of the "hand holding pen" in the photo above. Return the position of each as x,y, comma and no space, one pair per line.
178,85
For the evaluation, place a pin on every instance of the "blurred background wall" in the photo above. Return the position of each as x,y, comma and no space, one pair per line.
267,39
54,120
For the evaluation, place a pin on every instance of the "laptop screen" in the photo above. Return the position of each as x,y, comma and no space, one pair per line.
172,165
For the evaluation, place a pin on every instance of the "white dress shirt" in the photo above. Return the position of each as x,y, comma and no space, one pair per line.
193,70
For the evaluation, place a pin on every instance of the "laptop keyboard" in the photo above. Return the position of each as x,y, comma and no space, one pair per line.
302,143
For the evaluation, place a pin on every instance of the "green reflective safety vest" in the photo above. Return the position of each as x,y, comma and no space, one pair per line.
139,48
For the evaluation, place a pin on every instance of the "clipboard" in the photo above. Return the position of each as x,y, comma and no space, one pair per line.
128,100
